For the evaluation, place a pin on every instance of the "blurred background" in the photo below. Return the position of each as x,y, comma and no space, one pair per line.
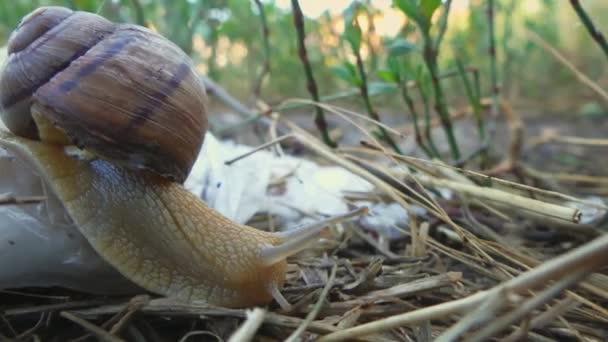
225,39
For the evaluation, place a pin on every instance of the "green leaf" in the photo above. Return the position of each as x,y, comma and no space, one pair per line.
376,88
350,12
408,70
348,73
351,68
400,46
342,72
387,75
353,36
352,31
409,8
428,8
395,67
377,134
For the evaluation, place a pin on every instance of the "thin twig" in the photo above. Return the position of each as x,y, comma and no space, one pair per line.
9,199
492,55
407,98
311,84
247,330
101,334
579,75
258,148
543,319
364,91
315,310
257,86
586,258
527,307
170,308
591,28
473,97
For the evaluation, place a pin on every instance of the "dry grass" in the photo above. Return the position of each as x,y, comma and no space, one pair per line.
482,264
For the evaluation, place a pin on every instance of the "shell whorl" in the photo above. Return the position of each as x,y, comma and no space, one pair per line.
121,91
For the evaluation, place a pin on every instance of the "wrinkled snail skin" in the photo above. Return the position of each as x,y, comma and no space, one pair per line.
155,232
119,90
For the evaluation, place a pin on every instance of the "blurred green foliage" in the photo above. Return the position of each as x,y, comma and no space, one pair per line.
224,38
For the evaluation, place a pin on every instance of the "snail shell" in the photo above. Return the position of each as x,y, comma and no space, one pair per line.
120,91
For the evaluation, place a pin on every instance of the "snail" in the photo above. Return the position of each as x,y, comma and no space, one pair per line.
112,117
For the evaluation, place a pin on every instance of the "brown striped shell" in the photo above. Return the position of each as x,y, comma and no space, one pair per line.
120,91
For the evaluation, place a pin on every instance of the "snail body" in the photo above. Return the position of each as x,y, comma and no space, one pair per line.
132,98
154,231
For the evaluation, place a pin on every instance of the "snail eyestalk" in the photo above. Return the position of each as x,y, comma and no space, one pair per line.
297,240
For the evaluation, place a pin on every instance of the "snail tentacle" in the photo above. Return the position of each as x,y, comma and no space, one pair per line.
295,241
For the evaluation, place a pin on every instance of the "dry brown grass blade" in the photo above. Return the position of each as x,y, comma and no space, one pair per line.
247,330
169,308
543,319
564,61
10,199
312,314
99,332
494,304
584,259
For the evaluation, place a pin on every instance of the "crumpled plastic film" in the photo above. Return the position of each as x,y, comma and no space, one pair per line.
40,246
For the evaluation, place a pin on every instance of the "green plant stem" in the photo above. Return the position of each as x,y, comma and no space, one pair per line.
593,31
509,52
368,103
311,85
430,58
350,93
266,63
371,33
430,54
418,134
140,18
492,55
195,19
473,97
427,122
443,24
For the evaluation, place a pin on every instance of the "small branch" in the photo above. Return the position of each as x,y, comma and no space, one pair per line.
266,63
523,205
311,85
593,31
